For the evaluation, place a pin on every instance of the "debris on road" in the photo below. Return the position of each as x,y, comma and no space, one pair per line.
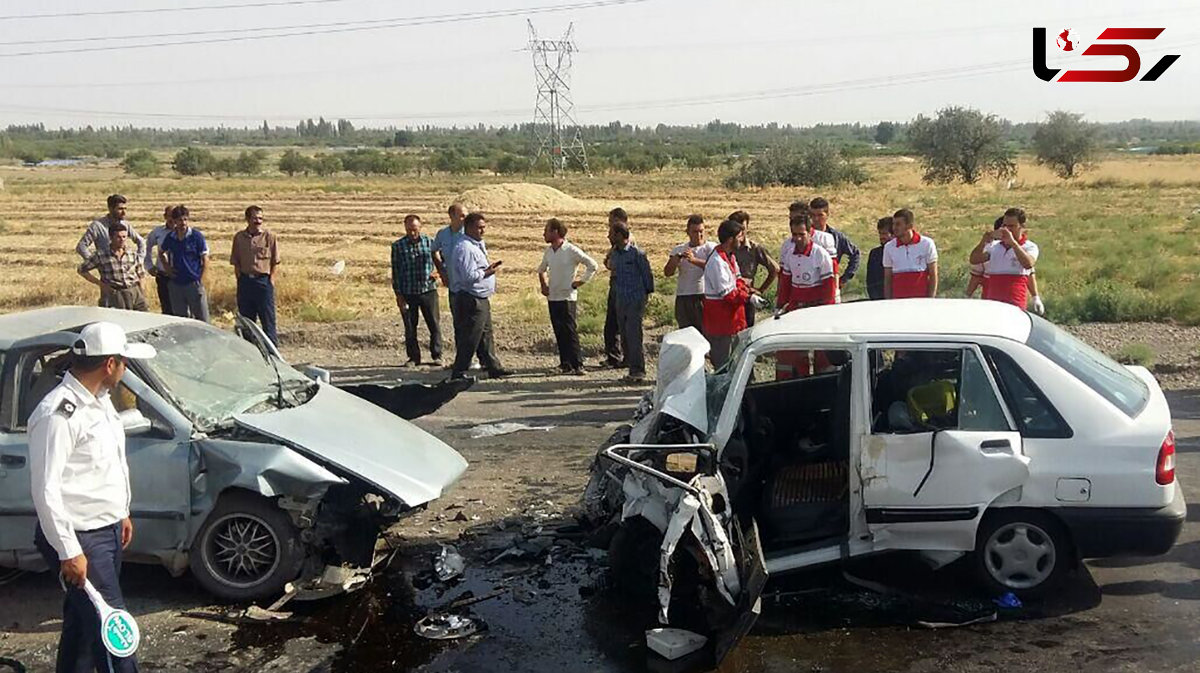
504,428
447,627
449,563
1008,601
674,643
983,619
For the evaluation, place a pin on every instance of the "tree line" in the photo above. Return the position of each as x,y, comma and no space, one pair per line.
956,143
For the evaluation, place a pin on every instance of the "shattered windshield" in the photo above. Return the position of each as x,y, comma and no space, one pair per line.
213,374
717,383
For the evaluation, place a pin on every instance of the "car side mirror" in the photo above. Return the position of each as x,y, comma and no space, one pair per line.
134,422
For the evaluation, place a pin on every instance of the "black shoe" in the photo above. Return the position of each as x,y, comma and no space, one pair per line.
576,371
458,376
564,368
500,373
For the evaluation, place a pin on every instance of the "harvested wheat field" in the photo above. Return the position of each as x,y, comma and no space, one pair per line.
1117,244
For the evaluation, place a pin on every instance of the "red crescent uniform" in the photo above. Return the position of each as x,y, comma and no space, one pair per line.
725,296
909,263
1004,277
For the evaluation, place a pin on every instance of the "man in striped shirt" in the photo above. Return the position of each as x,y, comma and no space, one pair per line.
909,261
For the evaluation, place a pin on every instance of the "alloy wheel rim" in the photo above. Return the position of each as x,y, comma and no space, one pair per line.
242,550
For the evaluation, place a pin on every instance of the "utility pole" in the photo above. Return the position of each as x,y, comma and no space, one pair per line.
556,133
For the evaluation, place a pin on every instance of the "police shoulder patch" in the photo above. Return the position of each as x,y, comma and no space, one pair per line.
66,408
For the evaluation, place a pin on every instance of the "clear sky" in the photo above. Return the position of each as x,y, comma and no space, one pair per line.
640,61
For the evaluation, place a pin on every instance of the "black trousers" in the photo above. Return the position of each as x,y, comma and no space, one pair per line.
79,648
163,285
566,334
614,340
473,334
416,306
750,313
256,301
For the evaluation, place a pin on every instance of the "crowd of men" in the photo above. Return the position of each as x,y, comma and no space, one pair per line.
176,255
720,285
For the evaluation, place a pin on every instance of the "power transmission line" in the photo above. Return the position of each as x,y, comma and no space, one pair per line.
326,29
160,10
884,81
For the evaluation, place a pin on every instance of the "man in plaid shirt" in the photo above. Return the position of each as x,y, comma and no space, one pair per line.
414,282
121,271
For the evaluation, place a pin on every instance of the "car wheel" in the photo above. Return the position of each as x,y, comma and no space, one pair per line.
247,549
1023,552
633,559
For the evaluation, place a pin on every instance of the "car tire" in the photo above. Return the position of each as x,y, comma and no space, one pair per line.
634,557
1021,551
247,549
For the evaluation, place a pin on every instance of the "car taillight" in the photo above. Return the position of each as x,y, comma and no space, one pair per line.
1164,471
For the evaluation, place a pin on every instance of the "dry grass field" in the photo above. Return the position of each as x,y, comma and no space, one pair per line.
1119,243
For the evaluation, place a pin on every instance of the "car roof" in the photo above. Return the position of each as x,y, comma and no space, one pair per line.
903,318
27,324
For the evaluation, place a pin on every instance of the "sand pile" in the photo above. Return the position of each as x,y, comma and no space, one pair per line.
520,197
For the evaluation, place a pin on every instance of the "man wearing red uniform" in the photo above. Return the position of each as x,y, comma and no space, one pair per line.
806,278
909,261
806,273
1008,257
725,293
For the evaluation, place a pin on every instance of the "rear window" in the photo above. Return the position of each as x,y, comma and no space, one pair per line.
1096,370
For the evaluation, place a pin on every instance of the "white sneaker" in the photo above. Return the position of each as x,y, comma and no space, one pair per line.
475,366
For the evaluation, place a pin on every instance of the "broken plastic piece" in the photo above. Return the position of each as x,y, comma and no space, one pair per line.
983,619
674,643
1008,601
505,428
447,627
449,563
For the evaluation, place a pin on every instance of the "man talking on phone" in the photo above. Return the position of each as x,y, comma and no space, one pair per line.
80,484
473,282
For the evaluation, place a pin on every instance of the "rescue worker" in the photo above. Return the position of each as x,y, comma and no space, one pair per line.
725,293
910,266
818,210
807,277
80,484
1008,257
976,277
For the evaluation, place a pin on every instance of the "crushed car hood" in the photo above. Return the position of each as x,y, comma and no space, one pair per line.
681,389
339,429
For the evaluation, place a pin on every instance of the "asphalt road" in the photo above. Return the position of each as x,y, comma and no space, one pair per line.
1118,615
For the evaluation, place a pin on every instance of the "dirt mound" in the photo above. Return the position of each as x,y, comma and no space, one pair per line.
520,197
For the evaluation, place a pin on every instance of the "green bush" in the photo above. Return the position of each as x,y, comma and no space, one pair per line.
292,162
1136,354
816,164
141,163
194,161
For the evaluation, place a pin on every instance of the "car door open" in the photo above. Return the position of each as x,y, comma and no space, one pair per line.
942,447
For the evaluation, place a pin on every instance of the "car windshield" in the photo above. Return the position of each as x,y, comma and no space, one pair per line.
716,384
210,373
1099,372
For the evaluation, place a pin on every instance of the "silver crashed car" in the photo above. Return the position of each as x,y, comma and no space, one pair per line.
243,469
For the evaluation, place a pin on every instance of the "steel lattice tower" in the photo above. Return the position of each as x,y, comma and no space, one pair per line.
555,131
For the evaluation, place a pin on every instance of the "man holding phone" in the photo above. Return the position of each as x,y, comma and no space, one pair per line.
473,282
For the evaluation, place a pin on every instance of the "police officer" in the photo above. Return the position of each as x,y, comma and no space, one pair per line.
80,483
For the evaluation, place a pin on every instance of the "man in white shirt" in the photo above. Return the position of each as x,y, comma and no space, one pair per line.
80,486
689,260
1008,258
154,267
561,262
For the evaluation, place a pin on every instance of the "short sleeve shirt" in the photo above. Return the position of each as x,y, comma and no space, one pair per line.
186,255
444,243
254,254
1002,261
691,277
749,258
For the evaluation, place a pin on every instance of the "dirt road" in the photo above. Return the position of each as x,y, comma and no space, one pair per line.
554,615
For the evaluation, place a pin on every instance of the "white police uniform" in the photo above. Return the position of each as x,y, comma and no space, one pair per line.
80,487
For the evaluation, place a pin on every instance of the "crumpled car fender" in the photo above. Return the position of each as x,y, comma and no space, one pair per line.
269,470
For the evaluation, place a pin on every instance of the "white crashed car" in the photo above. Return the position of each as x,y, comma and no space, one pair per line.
949,427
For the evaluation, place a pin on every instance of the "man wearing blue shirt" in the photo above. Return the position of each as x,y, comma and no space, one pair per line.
184,259
445,241
472,283
632,283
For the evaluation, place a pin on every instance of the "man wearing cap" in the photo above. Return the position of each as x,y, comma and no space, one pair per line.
80,484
